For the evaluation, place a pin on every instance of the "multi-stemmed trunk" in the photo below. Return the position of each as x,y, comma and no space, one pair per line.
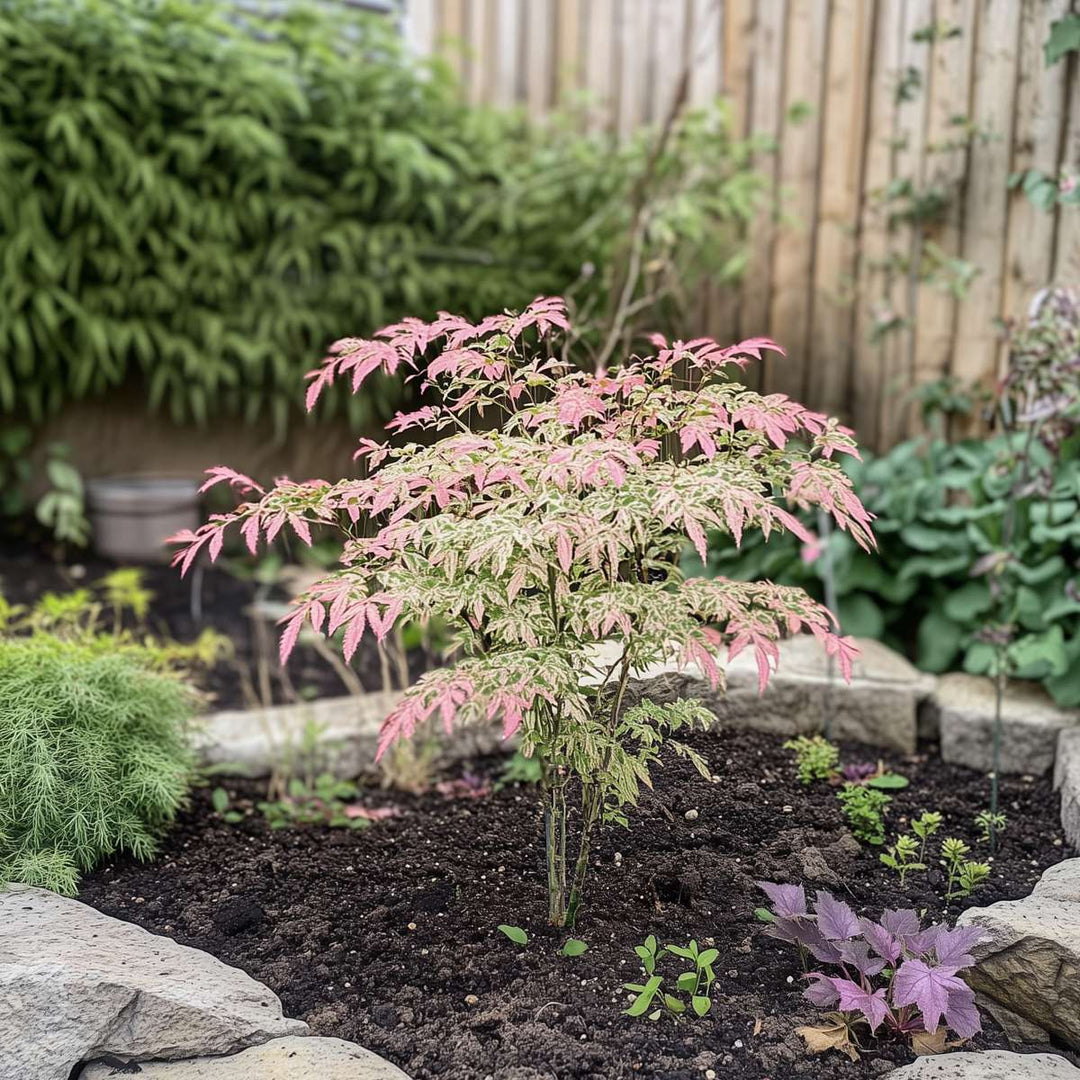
564,904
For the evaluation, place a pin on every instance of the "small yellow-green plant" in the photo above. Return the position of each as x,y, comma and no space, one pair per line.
864,809
964,875
989,825
903,857
924,827
815,757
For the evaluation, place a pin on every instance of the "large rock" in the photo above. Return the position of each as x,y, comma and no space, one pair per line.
879,706
991,1065
1030,724
1029,959
1067,781
282,1059
76,984
344,731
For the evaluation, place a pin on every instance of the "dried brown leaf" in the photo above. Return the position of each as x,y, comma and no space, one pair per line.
835,1036
925,1043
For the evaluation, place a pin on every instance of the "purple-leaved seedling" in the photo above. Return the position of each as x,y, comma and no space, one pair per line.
543,514
891,972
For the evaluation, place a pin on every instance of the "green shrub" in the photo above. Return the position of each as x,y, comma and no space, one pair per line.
939,510
201,204
94,756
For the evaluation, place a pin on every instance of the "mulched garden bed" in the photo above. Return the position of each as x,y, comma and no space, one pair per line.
26,573
388,936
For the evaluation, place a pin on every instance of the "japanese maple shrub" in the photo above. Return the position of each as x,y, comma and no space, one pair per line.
891,972
549,517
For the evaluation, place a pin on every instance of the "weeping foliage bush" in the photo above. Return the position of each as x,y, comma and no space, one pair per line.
199,202
94,756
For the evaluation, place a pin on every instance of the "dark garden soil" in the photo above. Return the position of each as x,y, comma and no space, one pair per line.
388,936
183,608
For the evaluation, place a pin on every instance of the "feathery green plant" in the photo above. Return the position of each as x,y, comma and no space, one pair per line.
94,756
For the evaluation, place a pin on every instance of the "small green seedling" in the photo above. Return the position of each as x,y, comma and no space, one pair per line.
864,808
964,876
989,824
323,802
763,914
815,758
695,983
924,827
647,953
515,934
698,982
902,857
574,947
219,797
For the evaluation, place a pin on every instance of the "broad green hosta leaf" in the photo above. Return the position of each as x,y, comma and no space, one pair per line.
968,602
1037,655
939,642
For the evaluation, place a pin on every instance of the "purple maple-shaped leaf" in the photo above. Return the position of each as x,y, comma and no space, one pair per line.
821,991
880,940
853,998
961,1013
901,924
788,901
953,947
927,988
806,933
920,944
857,954
836,920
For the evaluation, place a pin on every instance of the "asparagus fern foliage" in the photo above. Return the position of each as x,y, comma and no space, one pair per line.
542,515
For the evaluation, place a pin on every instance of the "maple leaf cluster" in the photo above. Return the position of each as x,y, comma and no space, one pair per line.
891,972
541,510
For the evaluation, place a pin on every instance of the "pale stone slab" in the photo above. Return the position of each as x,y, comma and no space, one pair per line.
254,742
1067,781
1029,959
282,1059
76,984
1030,724
991,1065
879,706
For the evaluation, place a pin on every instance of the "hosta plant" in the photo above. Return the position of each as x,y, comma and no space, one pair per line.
542,514
891,972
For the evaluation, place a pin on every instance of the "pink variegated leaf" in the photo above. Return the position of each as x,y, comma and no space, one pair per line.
221,474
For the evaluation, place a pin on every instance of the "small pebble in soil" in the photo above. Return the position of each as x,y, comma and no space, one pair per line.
471,999
691,815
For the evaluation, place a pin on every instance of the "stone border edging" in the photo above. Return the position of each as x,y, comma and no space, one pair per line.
77,986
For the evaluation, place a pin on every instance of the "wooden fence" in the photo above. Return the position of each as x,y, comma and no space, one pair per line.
890,85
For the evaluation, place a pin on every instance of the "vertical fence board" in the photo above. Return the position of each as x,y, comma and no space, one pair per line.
766,117
1041,110
632,27
507,83
844,107
986,222
866,386
898,348
1067,248
945,165
600,60
539,56
800,139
